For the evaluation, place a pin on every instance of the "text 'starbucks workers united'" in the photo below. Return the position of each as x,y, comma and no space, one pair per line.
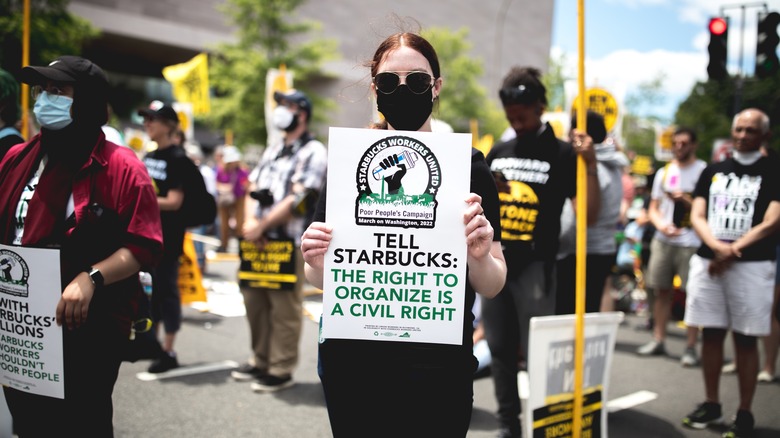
397,181
395,269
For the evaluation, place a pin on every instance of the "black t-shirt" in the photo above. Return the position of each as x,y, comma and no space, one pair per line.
166,167
536,173
7,142
737,198
482,183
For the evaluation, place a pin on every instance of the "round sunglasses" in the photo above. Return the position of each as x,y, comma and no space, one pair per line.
418,82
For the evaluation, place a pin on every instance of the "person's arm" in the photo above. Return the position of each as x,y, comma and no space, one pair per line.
658,220
73,306
768,226
699,222
280,214
487,267
172,201
583,145
724,252
314,244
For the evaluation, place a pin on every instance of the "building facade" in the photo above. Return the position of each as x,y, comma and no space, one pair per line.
140,37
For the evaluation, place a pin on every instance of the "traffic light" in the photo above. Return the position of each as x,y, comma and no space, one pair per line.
767,63
719,35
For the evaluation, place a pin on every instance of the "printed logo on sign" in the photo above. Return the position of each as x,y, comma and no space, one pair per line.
13,274
398,179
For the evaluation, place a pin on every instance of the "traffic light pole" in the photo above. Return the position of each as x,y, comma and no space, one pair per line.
742,6
739,80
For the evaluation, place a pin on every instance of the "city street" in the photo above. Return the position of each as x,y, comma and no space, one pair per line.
648,396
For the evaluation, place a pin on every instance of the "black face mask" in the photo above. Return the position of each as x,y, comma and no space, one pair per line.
405,110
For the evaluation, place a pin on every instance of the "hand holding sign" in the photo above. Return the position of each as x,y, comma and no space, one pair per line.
314,244
479,232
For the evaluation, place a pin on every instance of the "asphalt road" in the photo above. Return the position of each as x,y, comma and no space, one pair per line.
210,404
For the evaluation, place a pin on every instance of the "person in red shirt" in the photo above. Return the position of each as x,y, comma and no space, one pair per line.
69,190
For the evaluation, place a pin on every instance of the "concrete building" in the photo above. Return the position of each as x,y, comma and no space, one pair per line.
140,37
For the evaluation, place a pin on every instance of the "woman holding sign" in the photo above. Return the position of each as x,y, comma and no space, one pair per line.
391,388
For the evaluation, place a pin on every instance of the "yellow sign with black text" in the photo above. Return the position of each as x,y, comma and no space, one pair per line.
272,267
602,102
191,287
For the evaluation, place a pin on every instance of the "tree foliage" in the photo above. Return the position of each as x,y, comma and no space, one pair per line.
463,98
639,125
554,81
266,35
53,32
711,105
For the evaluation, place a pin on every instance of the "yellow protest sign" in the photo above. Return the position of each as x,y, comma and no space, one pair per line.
190,278
663,143
190,82
642,165
602,102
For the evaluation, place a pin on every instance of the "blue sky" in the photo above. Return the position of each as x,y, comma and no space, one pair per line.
629,42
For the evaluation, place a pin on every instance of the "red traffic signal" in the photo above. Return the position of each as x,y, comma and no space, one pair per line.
718,26
718,48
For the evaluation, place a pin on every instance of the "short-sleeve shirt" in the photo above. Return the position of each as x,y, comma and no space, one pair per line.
237,177
166,167
673,178
541,172
737,198
283,166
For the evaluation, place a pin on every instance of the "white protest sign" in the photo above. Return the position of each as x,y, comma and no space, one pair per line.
30,339
396,267
551,374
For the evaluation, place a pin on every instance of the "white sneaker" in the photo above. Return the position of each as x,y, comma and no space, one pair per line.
689,358
765,377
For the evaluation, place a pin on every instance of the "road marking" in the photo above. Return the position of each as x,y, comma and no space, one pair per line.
630,400
188,371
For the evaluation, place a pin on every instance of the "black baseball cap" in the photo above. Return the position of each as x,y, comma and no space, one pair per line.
67,69
159,110
296,97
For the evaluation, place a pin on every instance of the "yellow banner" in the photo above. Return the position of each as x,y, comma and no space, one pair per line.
190,82
190,278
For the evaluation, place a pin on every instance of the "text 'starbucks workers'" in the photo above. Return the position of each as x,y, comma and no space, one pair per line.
396,267
30,339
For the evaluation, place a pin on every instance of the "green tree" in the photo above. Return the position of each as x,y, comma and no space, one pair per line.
554,81
53,32
463,98
238,71
638,124
711,105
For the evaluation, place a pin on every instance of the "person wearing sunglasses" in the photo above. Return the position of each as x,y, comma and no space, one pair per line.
537,172
70,190
394,389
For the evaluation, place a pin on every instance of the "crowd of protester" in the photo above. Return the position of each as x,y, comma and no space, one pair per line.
673,231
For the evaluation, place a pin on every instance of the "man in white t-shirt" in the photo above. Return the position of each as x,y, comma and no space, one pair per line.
675,241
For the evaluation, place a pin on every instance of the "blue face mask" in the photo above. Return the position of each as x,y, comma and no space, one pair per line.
54,113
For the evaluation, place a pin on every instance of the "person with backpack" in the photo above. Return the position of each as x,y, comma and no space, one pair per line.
168,166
